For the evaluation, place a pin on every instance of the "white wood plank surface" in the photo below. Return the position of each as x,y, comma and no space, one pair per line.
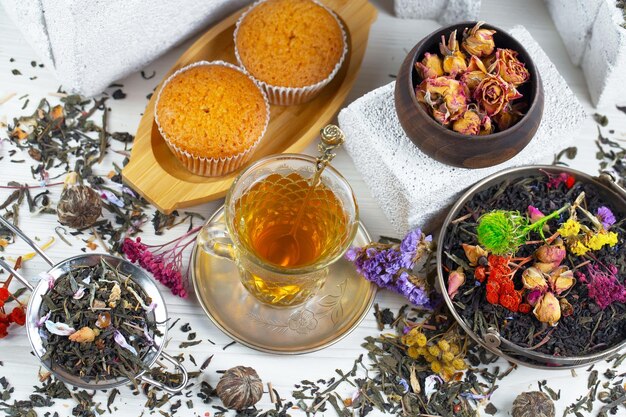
390,40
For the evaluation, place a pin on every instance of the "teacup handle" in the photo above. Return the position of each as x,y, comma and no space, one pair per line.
216,240
172,390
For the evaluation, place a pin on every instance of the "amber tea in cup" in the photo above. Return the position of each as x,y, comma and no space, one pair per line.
283,233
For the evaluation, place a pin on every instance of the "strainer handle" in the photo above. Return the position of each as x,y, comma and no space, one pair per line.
26,239
172,390
5,265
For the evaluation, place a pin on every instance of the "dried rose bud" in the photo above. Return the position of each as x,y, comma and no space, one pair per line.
562,279
551,254
493,93
566,307
533,297
468,123
534,279
548,309
430,67
84,335
509,67
455,280
535,214
444,96
473,253
486,127
477,41
453,59
508,117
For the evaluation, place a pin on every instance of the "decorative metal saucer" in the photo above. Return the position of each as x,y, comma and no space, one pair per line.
329,316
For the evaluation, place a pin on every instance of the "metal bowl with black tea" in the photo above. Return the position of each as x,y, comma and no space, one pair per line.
585,335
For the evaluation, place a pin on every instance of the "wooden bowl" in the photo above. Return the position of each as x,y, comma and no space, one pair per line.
448,146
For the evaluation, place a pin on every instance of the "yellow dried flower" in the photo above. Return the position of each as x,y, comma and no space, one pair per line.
429,358
421,340
434,350
459,364
455,348
412,352
447,357
448,370
597,241
436,367
578,248
570,228
443,345
422,350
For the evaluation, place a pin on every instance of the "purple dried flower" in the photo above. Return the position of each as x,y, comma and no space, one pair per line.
606,217
603,286
415,294
412,247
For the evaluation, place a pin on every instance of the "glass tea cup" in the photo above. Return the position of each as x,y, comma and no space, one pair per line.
282,233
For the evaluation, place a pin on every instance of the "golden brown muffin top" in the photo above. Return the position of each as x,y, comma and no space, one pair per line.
289,43
212,111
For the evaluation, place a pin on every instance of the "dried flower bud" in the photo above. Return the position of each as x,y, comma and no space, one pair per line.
475,73
455,280
239,388
486,127
444,96
479,41
551,254
533,297
566,307
509,67
534,279
115,295
453,59
473,253
548,309
562,279
84,335
467,124
430,67
508,116
534,214
493,93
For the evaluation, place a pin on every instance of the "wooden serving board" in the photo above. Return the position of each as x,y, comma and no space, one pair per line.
155,173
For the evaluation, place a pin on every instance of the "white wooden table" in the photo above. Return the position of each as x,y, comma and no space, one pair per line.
390,39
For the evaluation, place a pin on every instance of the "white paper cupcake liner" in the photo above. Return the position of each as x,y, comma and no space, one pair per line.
211,167
287,96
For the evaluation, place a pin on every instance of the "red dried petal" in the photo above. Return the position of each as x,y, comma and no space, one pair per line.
570,181
480,273
18,316
524,308
3,330
4,294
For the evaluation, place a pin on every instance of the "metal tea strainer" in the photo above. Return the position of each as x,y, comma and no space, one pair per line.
491,339
34,309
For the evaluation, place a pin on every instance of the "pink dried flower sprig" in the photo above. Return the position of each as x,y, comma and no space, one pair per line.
164,261
603,284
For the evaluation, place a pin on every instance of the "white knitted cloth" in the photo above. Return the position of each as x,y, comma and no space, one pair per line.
413,188
90,44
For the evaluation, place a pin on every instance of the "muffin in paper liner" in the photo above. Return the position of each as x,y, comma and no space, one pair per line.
207,166
284,95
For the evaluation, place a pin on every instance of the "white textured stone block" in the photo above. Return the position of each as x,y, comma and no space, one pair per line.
446,12
90,44
604,61
413,188
574,20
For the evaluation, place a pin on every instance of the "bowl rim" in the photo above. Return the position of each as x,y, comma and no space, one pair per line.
453,135
570,361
